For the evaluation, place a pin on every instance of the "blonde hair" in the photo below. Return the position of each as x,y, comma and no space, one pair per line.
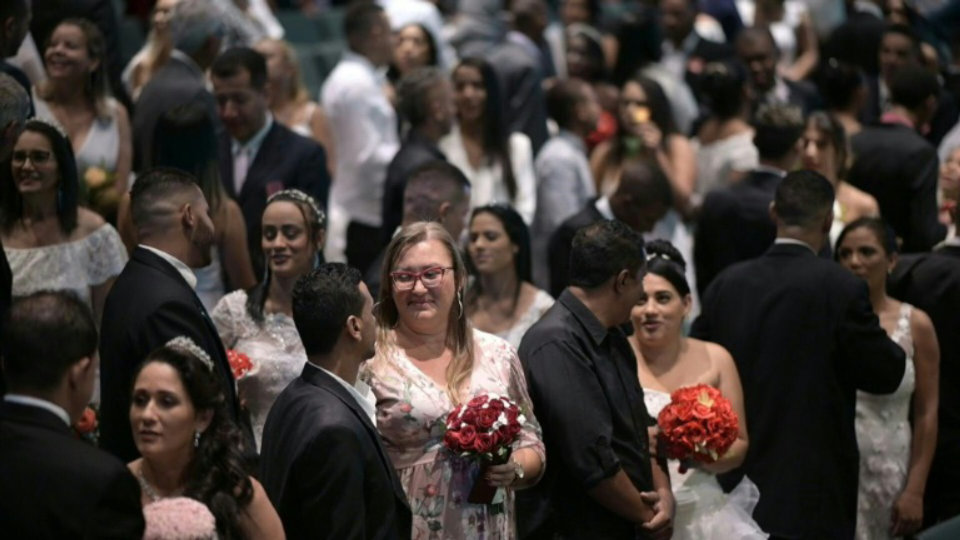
459,332
297,92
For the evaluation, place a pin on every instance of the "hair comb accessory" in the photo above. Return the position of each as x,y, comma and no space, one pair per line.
185,344
651,256
51,123
299,196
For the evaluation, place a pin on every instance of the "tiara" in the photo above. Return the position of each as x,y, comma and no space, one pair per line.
651,256
52,123
185,344
299,196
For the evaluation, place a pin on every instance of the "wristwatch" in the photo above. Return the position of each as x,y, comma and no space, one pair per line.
517,470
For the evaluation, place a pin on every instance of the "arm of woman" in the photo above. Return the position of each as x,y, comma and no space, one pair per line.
808,48
908,508
599,162
321,133
98,297
125,223
521,158
236,254
731,389
124,152
679,162
260,520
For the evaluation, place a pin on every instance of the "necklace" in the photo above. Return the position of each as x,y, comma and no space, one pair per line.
150,491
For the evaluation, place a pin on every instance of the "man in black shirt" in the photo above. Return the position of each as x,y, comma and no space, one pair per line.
602,482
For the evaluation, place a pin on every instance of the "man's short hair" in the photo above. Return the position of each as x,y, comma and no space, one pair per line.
13,8
562,101
192,22
152,195
232,61
14,102
912,85
414,94
752,34
322,302
43,335
803,199
777,127
646,184
431,185
602,250
360,19
906,31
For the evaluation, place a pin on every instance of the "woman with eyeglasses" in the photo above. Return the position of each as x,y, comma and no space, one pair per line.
259,322
50,241
429,360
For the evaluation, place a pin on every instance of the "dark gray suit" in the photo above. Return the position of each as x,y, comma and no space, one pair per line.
521,90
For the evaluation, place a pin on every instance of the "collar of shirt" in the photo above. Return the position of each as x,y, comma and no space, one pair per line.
31,401
252,146
772,170
573,139
378,73
590,322
525,42
894,118
360,391
186,59
951,240
780,93
603,206
179,265
793,242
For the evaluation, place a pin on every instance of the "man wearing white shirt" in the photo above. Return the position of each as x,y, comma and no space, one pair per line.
322,463
364,126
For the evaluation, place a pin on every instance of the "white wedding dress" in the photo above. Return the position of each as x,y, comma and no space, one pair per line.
704,511
884,437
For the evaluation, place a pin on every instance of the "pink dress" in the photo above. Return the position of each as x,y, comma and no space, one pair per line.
411,409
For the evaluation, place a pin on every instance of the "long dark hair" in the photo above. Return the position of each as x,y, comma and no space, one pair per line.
722,86
186,138
68,187
215,475
660,114
664,260
496,137
880,228
828,124
315,221
519,235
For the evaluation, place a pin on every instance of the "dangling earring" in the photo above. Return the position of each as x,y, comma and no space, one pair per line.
196,439
460,303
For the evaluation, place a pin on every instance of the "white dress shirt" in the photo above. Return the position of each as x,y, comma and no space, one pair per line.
245,153
486,182
364,126
31,401
361,393
180,266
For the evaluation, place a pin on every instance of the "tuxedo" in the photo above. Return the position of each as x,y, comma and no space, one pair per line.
54,485
735,225
804,337
284,160
561,243
324,468
149,304
899,168
931,282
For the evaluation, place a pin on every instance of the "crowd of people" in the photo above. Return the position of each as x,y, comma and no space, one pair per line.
235,308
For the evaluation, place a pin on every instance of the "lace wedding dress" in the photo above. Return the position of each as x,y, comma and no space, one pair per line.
704,511
884,436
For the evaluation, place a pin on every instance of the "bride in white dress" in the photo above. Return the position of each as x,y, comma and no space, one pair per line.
894,460
666,361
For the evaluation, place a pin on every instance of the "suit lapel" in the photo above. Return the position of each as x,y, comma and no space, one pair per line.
226,165
259,169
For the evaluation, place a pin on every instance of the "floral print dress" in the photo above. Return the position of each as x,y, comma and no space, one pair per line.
411,410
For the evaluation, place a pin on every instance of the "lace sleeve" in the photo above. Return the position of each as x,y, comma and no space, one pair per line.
106,255
228,316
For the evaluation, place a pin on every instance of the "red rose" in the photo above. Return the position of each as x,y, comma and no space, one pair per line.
451,439
478,401
486,418
496,404
468,434
483,443
699,423
430,490
453,417
512,414
469,417
87,422
514,429
240,363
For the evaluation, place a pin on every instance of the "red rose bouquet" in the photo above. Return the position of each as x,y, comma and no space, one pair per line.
483,429
240,364
699,424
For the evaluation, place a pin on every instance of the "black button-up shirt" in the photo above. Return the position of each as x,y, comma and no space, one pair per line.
583,383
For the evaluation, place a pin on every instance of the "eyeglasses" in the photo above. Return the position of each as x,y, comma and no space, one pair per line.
430,277
37,157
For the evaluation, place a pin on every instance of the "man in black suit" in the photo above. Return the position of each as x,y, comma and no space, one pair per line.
519,64
195,32
759,52
735,222
52,484
685,52
641,199
425,102
805,339
258,155
152,301
931,282
896,165
323,465
14,26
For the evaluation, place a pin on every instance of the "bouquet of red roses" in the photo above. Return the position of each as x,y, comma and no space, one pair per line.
483,429
699,424
240,364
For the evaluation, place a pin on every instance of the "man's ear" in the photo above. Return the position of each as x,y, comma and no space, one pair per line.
773,212
78,372
188,216
443,210
620,282
355,327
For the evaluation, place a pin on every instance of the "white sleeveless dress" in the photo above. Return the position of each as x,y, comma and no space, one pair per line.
704,511
884,437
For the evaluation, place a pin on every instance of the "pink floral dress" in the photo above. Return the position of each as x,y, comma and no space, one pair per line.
411,409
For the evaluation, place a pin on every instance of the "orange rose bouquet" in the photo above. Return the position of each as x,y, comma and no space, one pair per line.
87,427
698,425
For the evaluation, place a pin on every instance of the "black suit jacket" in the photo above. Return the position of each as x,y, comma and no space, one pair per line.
735,225
805,339
53,485
521,89
899,168
931,282
415,151
148,305
324,468
176,83
6,285
944,117
284,160
558,250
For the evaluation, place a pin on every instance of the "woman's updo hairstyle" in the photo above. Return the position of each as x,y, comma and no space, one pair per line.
665,261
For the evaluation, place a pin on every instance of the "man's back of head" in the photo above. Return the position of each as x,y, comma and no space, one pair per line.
529,17
602,251
367,31
196,28
915,88
437,191
803,201
44,336
563,100
14,108
642,197
777,132
323,301
424,100
157,198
